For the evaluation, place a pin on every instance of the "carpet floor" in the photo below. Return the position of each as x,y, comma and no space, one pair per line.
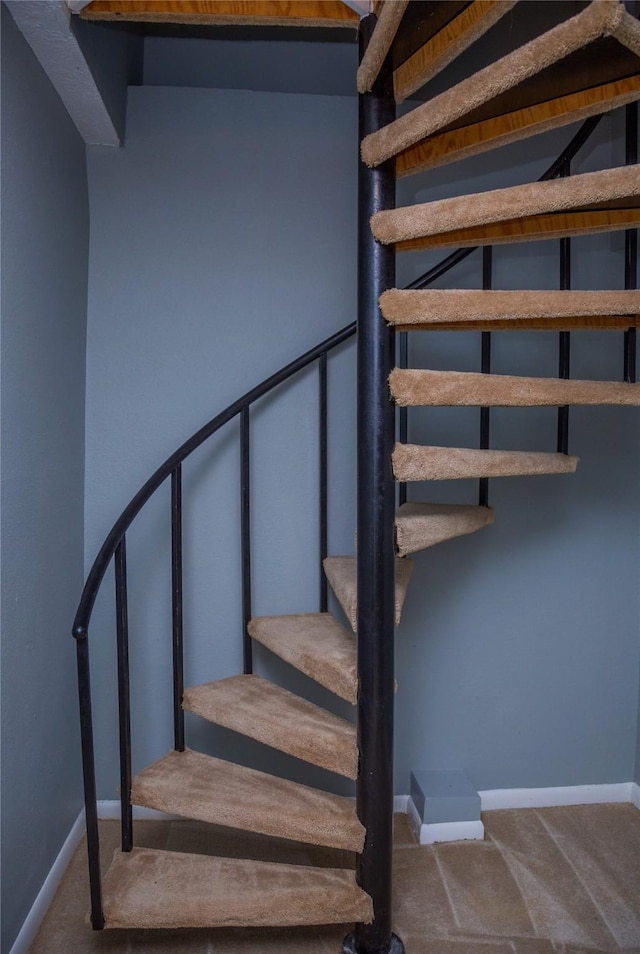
544,881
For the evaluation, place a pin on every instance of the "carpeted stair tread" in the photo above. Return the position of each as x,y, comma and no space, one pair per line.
583,204
389,16
150,888
222,793
450,308
274,716
412,387
341,572
316,644
417,462
422,525
507,90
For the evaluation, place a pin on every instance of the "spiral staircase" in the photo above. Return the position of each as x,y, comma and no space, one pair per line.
580,68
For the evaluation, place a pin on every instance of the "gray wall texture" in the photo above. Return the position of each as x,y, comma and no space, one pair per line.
222,247
44,258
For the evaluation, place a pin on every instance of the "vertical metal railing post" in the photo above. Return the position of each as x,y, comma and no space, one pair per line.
376,511
124,706
176,607
630,243
89,778
245,533
323,478
564,338
403,414
485,367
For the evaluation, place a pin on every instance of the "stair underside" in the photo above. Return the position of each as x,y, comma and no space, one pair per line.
341,572
316,644
415,462
389,16
594,58
584,204
304,13
463,309
222,793
147,888
412,388
445,33
272,715
421,525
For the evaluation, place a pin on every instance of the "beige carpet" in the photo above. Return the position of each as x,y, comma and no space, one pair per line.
544,881
287,722
197,786
418,462
413,387
341,572
442,217
433,306
421,525
316,644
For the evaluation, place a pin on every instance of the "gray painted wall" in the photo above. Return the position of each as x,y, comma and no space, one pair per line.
276,66
222,247
228,222
115,59
44,255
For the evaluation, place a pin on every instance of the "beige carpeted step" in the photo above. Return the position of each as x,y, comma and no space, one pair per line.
422,525
415,462
223,793
272,715
465,309
549,82
412,388
147,888
316,644
583,204
389,16
341,572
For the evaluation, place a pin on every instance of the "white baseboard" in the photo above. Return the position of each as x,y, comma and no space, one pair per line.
443,831
635,794
552,797
45,896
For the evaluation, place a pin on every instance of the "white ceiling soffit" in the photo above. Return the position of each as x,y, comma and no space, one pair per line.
363,7
46,28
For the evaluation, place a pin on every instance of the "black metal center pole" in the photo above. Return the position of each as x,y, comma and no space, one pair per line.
376,510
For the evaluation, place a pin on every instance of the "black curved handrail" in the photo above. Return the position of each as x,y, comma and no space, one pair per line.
122,524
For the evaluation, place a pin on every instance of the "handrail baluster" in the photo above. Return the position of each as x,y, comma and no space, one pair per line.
485,367
89,782
564,337
630,243
403,429
324,479
177,607
245,532
124,708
